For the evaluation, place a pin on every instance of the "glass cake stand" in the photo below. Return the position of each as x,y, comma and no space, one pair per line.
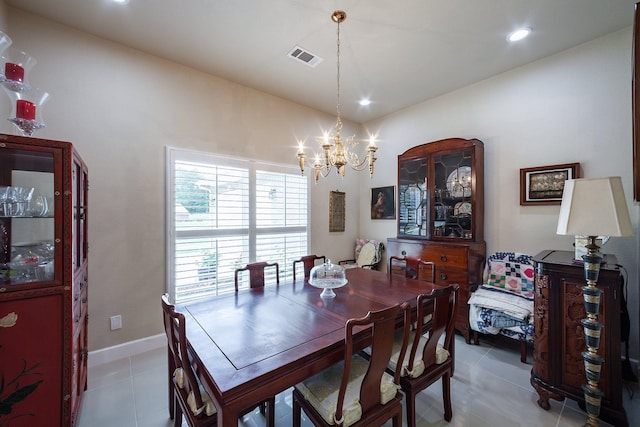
327,277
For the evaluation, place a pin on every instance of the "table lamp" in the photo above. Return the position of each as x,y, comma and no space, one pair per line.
593,207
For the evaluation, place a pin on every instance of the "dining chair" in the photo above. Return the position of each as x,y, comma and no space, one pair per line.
256,273
308,262
432,356
414,268
356,391
186,395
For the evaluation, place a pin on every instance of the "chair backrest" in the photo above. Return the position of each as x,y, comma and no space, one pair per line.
383,325
414,268
442,303
256,273
174,327
308,262
368,253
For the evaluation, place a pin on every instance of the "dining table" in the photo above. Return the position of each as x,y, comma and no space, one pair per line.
248,346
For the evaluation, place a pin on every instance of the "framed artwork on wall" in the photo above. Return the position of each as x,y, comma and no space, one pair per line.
337,201
383,202
543,185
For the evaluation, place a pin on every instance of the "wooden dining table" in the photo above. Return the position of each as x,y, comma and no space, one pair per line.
248,346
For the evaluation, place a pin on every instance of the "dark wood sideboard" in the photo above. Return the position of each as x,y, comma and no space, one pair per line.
558,366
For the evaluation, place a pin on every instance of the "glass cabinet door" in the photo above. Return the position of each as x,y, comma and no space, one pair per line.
412,197
27,227
452,195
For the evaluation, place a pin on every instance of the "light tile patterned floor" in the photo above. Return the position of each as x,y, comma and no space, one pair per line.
490,389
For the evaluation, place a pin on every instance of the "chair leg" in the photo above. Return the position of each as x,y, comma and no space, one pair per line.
271,412
172,400
523,351
476,337
297,411
409,402
446,395
177,421
397,419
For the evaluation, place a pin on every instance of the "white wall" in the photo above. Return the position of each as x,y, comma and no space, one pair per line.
571,107
121,107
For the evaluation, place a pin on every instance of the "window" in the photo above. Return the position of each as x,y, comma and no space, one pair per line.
226,212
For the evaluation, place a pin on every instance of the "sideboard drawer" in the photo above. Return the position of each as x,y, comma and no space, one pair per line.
451,256
446,256
445,276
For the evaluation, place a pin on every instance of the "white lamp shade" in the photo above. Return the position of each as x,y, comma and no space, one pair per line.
594,207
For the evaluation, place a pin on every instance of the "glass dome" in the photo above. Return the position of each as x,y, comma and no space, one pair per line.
327,276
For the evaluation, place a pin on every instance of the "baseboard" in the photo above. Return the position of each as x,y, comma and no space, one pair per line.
127,349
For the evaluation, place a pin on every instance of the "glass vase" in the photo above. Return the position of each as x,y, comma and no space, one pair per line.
16,66
26,113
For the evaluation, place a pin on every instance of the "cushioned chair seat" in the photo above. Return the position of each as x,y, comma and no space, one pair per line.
442,355
321,391
208,407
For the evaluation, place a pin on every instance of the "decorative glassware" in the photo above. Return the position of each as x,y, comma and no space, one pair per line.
327,276
5,42
38,206
16,65
27,109
4,199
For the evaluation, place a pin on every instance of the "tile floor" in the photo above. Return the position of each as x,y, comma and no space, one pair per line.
490,389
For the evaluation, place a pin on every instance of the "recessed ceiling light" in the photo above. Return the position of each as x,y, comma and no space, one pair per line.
364,102
121,1
518,34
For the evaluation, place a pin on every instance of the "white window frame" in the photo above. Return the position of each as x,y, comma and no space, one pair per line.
172,155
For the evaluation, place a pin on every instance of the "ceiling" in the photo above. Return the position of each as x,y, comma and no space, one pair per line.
396,52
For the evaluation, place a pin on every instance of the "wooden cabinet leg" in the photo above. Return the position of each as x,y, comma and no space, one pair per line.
545,395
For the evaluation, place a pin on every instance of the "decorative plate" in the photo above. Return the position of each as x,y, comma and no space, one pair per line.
459,182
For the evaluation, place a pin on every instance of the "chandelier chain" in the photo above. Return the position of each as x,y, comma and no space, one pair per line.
339,121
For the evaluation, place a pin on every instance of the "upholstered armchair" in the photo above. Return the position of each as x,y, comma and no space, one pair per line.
503,304
368,254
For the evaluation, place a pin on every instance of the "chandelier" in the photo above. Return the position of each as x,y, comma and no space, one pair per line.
335,153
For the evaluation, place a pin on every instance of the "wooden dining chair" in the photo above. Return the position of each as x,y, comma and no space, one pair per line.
357,391
413,267
308,262
427,359
186,396
256,273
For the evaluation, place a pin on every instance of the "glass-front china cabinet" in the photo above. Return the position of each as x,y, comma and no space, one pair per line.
441,213
43,281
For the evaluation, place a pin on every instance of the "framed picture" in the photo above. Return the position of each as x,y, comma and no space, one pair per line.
544,185
336,210
383,202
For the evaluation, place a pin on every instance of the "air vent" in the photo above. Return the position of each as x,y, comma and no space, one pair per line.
304,56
